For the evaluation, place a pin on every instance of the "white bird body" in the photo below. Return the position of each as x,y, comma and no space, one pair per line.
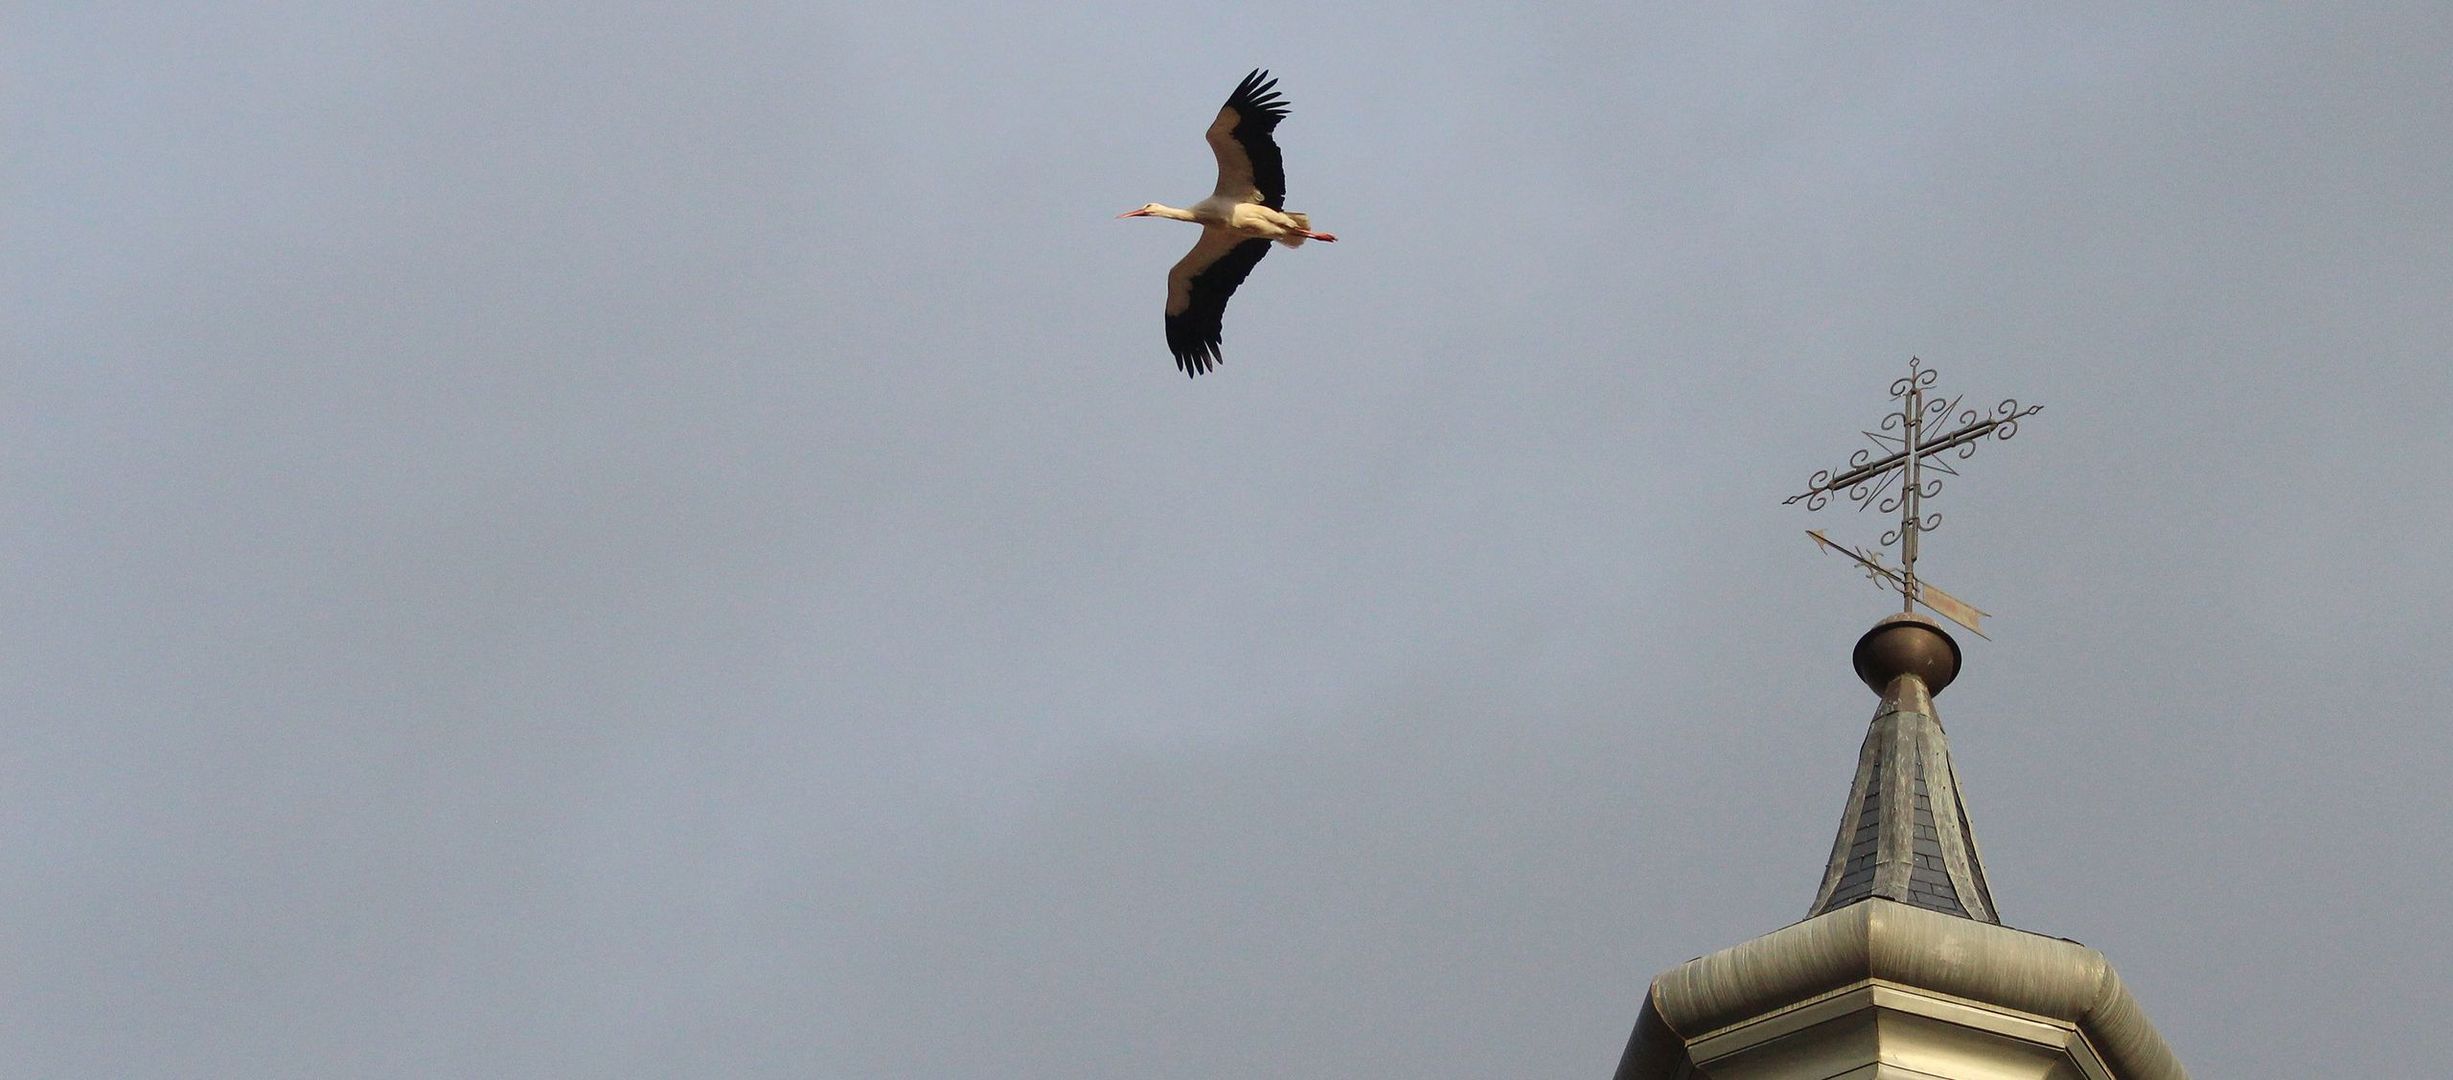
1238,221
1250,220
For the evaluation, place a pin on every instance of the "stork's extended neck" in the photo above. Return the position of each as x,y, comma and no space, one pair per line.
1160,210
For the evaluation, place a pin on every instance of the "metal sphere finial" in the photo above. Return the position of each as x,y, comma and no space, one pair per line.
1906,644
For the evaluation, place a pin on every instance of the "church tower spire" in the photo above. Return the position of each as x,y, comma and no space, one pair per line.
1902,969
1904,834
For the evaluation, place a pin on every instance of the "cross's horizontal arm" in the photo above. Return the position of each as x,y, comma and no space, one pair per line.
1965,435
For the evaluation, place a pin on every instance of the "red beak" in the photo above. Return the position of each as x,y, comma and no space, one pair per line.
1134,213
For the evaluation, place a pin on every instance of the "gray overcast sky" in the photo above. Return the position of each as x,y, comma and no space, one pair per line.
609,540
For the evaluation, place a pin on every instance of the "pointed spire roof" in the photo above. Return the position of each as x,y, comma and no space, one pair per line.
1904,833
1902,968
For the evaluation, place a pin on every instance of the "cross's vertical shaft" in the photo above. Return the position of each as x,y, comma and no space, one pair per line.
1910,471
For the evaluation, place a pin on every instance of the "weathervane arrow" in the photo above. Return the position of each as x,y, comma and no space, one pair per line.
1927,593
1897,481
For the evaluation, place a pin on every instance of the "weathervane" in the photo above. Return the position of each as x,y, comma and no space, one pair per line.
1897,481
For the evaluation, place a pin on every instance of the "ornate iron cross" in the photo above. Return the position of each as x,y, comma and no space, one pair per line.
1898,481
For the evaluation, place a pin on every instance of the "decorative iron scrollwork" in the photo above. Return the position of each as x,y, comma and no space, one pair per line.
1895,474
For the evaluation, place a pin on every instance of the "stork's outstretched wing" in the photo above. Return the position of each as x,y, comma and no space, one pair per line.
1197,291
1248,166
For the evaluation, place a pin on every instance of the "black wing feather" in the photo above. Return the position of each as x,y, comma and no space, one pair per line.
1258,108
1193,334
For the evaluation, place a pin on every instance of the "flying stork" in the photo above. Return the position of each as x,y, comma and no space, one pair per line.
1238,220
